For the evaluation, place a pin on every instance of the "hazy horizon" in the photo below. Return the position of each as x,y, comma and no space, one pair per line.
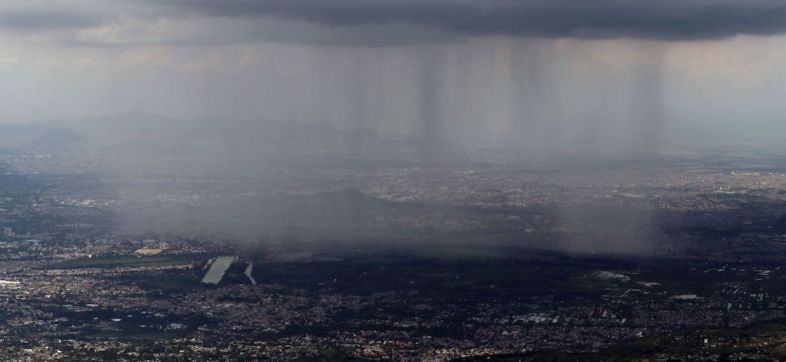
494,71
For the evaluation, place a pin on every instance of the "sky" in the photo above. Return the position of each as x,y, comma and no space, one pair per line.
436,69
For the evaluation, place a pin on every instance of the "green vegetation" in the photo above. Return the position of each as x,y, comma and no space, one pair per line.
767,341
126,261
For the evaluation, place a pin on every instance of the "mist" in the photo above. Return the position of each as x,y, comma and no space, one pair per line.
280,122
308,170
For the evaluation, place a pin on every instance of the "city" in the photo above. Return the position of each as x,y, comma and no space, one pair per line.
392,180
518,279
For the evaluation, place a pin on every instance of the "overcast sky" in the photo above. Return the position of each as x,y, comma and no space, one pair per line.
559,66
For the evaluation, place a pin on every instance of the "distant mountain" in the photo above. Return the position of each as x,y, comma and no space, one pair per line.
40,137
56,139
152,127
143,135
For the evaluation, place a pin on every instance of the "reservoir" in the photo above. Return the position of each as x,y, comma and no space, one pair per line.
217,269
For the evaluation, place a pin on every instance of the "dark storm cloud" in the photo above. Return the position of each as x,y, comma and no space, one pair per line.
664,19
33,20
